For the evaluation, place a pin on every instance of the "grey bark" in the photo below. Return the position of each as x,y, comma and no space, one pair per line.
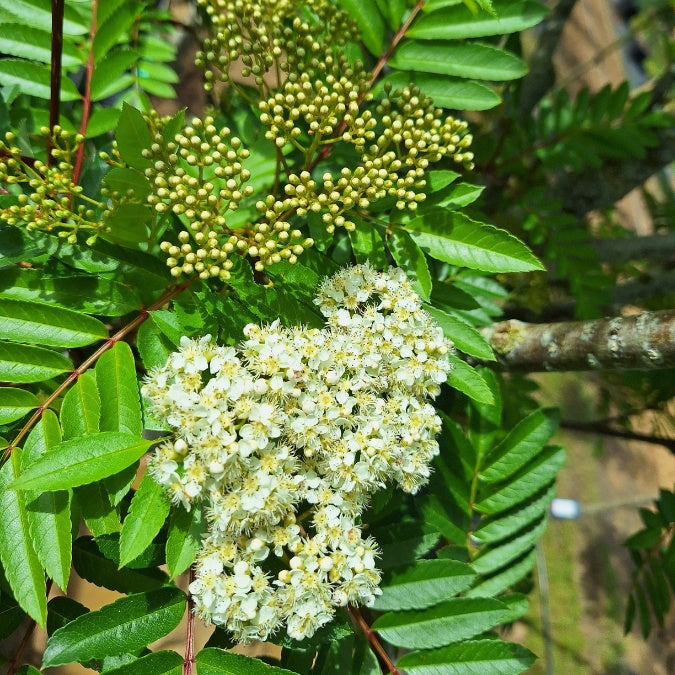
641,342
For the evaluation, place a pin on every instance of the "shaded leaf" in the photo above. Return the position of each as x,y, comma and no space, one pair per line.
410,257
158,663
214,661
185,537
33,79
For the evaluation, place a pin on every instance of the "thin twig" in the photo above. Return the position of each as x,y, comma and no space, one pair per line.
376,645
55,74
189,659
110,342
86,103
606,430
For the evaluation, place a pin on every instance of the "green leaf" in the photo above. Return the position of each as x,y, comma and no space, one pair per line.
123,626
471,60
458,22
15,403
25,363
128,224
107,78
504,580
116,380
403,543
158,663
157,71
367,244
48,325
33,79
487,657
457,239
17,555
34,43
83,460
368,17
157,88
214,661
464,336
38,13
185,538
102,121
153,346
408,255
81,408
469,381
523,442
133,136
427,583
123,180
90,563
446,91
49,521
98,512
437,180
528,481
147,513
455,620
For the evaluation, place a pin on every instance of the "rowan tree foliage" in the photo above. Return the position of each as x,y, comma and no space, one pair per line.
262,357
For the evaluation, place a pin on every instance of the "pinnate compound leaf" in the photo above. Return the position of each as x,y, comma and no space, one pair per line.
147,513
133,136
48,325
523,442
368,17
470,59
48,513
19,561
525,483
428,583
185,538
469,381
126,625
25,363
158,663
214,661
98,569
487,657
455,620
457,239
15,403
464,336
81,408
83,460
116,380
410,257
459,22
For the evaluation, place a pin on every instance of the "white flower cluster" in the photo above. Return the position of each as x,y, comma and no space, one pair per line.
285,439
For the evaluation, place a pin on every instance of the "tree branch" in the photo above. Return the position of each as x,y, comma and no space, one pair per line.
377,647
642,342
606,430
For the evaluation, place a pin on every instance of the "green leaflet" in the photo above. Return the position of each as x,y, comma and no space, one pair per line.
410,257
19,560
428,583
367,15
98,569
459,22
132,136
48,513
37,13
107,78
83,460
453,621
25,363
116,380
48,325
122,180
523,442
469,381
147,513
158,663
81,408
153,346
464,336
487,657
33,43
504,580
214,661
15,403
123,626
184,539
468,60
457,239
403,543
33,79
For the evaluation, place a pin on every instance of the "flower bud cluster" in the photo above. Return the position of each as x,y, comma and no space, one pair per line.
47,205
284,440
270,39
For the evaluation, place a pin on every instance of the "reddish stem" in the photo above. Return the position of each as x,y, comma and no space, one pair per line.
55,73
190,632
110,342
86,103
376,645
